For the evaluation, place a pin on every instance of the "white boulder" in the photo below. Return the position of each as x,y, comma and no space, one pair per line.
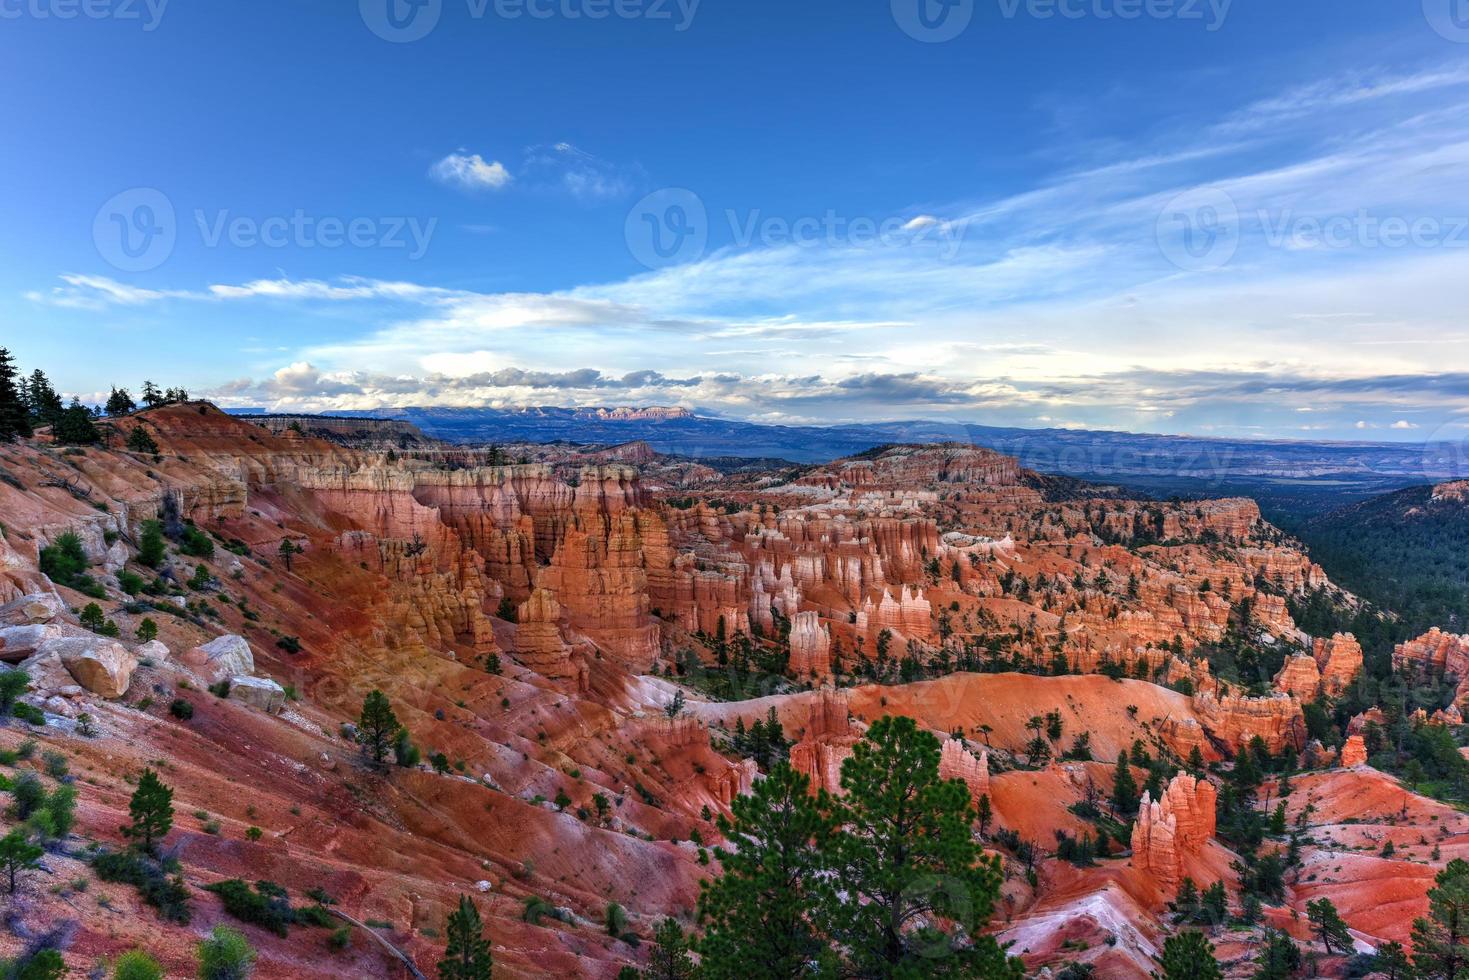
222,657
260,692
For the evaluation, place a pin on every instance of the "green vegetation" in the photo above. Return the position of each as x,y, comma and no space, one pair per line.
225,955
377,727
151,809
899,842
467,953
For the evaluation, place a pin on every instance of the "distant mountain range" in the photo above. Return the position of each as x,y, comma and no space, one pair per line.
1312,475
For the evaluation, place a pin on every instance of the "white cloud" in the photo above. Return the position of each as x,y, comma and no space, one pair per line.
1404,424
470,171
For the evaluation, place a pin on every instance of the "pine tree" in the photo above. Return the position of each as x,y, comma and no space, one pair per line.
1124,789
772,886
287,550
152,812
74,427
139,441
905,853
15,415
377,728
984,812
1441,941
670,959
1279,958
17,855
152,397
1189,956
120,402
1328,925
1392,962
42,399
467,954
152,549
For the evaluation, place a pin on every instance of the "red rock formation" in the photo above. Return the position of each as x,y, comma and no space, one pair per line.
826,741
1235,720
957,762
538,641
1340,660
1300,677
1354,752
1180,823
1437,652
810,646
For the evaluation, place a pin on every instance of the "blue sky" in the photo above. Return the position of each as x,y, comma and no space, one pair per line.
1229,218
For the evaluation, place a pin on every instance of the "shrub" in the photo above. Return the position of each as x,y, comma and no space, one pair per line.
266,907
130,582
341,938
290,644
181,709
170,896
136,965
13,683
152,550
28,795
55,764
29,713
64,559
196,544
225,955
254,833
220,690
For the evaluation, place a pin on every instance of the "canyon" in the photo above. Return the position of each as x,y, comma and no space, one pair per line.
582,635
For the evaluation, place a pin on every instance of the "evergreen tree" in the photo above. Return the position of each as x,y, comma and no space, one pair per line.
139,441
905,853
1189,956
152,397
1279,958
984,812
42,399
15,415
152,811
1391,960
287,550
1441,941
377,728
120,402
670,959
467,954
1328,926
152,549
1124,789
773,886
17,855
74,427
